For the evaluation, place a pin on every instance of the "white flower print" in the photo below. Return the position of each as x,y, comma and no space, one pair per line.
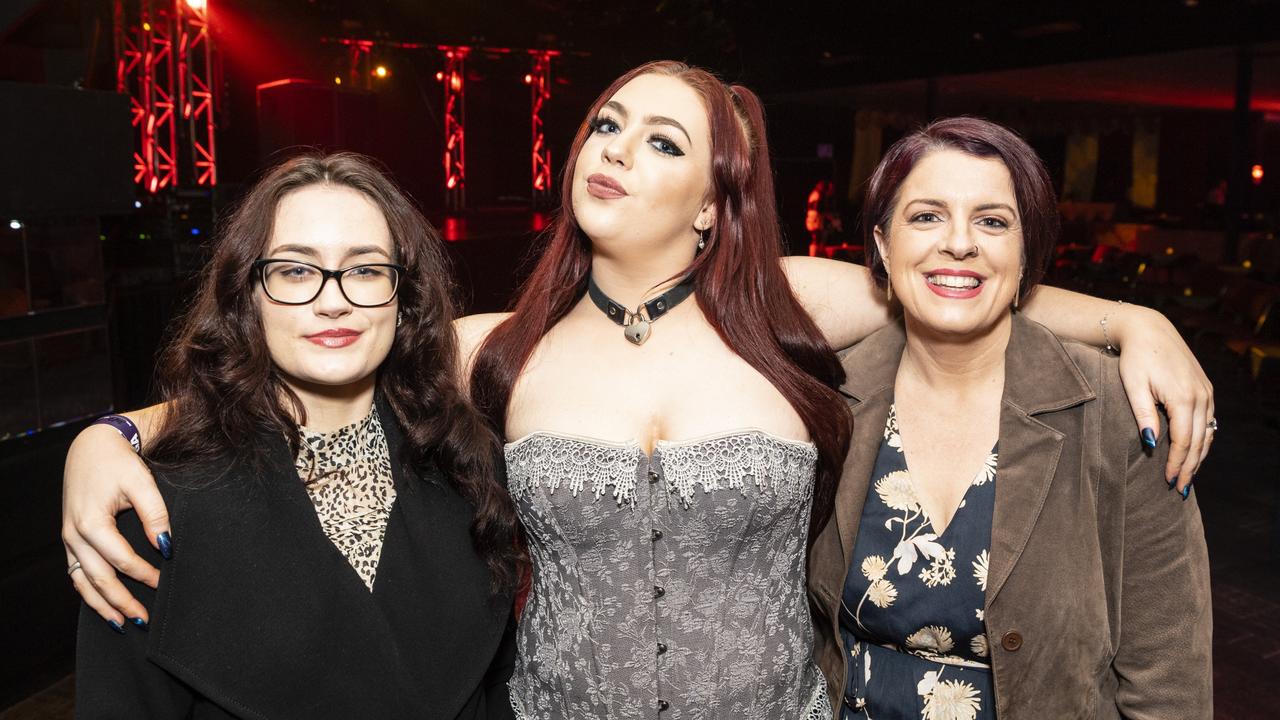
980,567
933,638
940,571
895,490
982,616
891,436
909,549
874,567
978,645
951,700
882,593
987,472
927,683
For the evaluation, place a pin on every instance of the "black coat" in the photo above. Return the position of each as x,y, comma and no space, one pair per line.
258,615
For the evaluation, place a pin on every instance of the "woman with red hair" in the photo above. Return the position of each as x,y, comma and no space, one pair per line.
668,388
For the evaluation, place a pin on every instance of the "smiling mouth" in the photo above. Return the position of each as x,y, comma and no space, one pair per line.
954,282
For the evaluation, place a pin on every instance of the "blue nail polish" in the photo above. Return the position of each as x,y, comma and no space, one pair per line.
1186,492
140,623
116,626
165,542
1149,438
1173,483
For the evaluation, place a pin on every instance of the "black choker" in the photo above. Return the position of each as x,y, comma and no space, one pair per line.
635,326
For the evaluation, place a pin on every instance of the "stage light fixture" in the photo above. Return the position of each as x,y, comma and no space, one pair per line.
146,27
198,5
1256,173
381,71
137,204
337,80
1247,264
528,79
439,77
15,225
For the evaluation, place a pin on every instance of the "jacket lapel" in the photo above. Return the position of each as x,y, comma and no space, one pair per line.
870,368
1040,379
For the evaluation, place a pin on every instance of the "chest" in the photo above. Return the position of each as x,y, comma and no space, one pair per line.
585,379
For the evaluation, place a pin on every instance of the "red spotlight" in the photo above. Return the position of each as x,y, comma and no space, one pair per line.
1256,173
439,77
453,182
198,5
381,71
455,80
528,79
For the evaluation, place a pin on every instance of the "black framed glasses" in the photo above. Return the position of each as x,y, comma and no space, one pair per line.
292,282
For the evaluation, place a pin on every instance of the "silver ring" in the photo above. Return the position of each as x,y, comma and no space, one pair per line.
74,567
1212,425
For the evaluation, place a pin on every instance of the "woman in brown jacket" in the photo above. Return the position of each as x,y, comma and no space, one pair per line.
1002,545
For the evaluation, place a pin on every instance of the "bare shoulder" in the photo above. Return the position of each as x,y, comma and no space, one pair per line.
472,330
804,270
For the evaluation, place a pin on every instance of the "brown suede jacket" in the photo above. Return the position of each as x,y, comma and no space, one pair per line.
1097,603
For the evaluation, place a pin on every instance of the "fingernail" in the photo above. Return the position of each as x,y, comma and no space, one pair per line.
165,542
1186,491
1148,438
116,626
1173,483
140,623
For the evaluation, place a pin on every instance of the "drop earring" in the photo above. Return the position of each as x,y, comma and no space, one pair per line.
399,318
702,238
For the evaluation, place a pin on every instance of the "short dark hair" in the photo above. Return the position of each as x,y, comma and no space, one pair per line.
1037,201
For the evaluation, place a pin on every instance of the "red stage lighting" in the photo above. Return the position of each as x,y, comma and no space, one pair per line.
198,5
381,71
528,79
1256,173
439,77
453,182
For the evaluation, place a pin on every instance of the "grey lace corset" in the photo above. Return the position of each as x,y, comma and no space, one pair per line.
670,586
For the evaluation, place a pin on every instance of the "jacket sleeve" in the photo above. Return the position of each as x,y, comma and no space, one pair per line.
498,699
114,679
1163,663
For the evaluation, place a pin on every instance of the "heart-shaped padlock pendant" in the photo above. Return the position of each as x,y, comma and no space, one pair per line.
637,331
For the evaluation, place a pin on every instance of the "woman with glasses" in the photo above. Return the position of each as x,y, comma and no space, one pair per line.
341,546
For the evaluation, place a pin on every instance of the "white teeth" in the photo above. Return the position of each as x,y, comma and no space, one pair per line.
958,282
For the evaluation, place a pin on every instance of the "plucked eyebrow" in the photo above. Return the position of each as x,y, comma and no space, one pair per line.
311,252
981,208
651,119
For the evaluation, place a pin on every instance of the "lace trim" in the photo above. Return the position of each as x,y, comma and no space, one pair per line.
819,705
783,467
551,461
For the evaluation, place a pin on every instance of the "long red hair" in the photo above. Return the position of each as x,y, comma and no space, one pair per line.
738,280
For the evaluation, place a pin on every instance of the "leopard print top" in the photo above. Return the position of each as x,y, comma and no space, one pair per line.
348,476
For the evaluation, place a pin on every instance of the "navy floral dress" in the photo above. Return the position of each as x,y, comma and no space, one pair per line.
911,611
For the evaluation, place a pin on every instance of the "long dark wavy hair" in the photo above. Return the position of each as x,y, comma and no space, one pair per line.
738,280
224,394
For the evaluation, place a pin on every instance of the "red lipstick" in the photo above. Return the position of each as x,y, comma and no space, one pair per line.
604,187
335,338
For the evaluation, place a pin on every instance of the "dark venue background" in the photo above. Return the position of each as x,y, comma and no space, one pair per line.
1160,121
